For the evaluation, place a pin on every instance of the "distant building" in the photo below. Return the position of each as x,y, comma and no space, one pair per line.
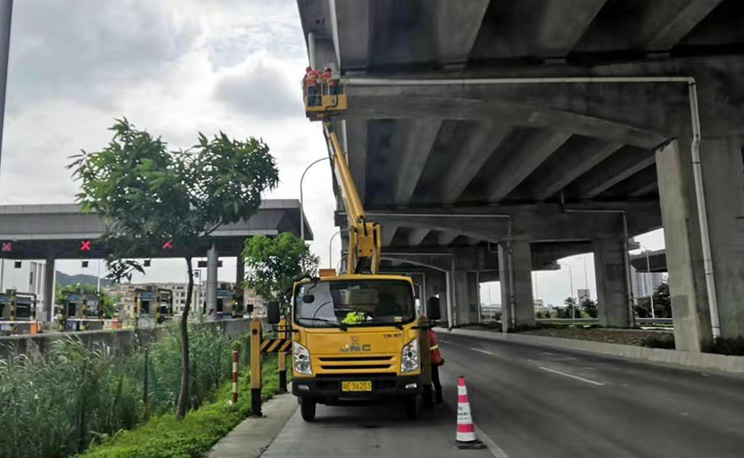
645,284
25,277
124,295
490,312
539,303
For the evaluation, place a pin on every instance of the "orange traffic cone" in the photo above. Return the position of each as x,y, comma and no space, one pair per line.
465,427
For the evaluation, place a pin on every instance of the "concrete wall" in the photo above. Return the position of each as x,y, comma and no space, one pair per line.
118,341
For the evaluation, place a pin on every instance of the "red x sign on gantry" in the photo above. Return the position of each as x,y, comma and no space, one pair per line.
85,245
168,245
7,246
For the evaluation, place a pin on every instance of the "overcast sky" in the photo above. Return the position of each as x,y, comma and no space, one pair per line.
174,67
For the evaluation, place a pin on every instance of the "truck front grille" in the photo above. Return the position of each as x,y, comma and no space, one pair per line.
346,363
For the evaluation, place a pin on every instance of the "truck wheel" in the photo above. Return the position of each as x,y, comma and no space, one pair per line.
307,408
413,407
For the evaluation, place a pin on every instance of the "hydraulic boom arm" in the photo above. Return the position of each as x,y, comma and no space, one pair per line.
364,237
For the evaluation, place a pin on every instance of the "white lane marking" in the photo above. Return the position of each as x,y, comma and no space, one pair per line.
492,446
576,377
482,351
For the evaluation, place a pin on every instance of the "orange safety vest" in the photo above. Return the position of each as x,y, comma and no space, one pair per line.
436,356
311,78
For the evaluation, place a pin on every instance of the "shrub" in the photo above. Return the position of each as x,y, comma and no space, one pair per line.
733,346
660,341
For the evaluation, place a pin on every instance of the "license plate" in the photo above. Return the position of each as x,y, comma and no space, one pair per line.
356,386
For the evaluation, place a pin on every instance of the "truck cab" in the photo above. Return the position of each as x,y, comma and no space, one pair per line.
358,337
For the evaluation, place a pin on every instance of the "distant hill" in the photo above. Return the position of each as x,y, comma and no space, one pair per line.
64,280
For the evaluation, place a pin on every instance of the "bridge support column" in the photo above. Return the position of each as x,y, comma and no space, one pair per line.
239,269
612,284
517,303
47,311
211,301
467,297
723,180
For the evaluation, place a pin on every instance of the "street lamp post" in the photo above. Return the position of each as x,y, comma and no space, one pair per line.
649,284
302,201
330,247
570,276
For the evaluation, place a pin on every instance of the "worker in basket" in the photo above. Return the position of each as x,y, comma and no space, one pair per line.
311,83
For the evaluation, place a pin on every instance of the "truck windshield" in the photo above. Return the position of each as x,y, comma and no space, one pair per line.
354,303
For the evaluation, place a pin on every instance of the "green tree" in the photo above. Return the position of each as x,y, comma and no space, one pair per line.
663,301
571,309
589,307
149,195
273,264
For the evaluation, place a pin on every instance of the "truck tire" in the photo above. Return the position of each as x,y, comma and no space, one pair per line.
307,408
413,407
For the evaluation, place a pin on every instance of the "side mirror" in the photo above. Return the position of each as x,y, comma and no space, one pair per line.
432,309
272,312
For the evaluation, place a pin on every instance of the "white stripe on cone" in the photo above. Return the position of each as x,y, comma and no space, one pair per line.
465,426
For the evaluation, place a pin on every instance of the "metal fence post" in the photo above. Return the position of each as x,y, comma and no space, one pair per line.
235,377
283,334
256,367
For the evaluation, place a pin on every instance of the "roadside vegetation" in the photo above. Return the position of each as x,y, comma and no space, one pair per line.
59,405
165,437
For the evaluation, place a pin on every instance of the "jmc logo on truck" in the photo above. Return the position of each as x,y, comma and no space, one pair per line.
354,346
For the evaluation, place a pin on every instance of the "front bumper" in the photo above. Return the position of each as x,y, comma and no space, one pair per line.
383,385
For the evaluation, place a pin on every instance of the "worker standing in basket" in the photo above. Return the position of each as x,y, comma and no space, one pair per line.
311,82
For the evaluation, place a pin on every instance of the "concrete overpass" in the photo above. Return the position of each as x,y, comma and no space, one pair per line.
461,108
51,232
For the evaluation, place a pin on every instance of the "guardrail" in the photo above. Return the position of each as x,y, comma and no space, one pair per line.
595,320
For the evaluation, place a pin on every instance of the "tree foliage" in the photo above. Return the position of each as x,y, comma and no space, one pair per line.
149,195
662,303
589,307
272,264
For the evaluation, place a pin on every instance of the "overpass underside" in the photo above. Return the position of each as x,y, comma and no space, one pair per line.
504,169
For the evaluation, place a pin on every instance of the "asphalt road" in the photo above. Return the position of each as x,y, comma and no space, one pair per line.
534,402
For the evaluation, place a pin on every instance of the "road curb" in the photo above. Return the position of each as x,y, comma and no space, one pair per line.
659,356
254,435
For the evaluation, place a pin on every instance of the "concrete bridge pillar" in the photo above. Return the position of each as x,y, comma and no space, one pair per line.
517,303
612,282
722,162
212,262
467,297
47,310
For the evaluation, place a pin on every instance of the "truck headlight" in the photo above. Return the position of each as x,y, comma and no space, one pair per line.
409,360
301,359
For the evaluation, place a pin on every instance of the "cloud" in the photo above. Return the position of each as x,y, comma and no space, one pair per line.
173,67
261,89
89,49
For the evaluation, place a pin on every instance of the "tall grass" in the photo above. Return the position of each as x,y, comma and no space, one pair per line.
57,405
